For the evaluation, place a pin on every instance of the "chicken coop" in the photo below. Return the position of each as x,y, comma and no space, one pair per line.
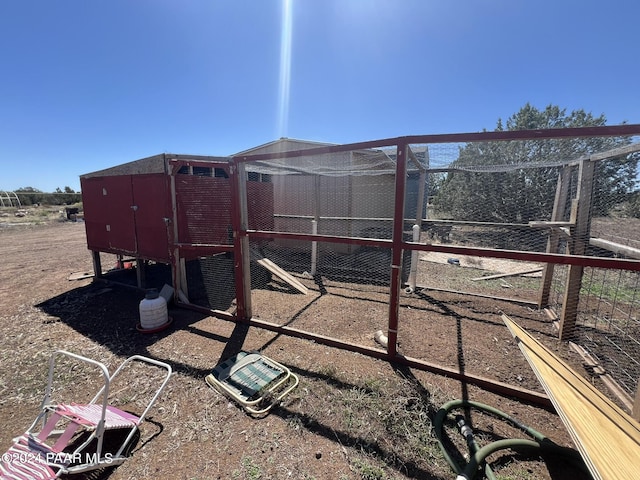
178,212
165,210
385,233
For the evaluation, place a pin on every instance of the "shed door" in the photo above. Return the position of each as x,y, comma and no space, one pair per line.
111,216
150,207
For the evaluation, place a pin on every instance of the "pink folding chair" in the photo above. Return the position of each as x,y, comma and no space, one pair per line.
69,438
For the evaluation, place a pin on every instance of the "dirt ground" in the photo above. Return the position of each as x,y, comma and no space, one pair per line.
351,417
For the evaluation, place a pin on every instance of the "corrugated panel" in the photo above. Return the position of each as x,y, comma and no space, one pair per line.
150,197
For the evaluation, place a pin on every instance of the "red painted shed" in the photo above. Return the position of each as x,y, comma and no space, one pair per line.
167,208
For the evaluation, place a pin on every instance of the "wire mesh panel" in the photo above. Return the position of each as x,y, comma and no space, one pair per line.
567,197
210,281
608,323
203,212
339,300
609,310
432,241
349,198
203,209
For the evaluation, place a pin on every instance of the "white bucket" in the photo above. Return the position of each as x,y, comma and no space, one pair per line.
153,311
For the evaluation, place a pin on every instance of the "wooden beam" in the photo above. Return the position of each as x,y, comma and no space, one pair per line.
241,250
581,212
558,213
607,438
422,185
416,162
615,152
625,250
530,396
141,272
501,135
518,301
396,249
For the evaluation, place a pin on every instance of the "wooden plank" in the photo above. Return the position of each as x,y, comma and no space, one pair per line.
625,150
636,403
242,251
277,270
512,274
80,276
286,276
283,275
608,439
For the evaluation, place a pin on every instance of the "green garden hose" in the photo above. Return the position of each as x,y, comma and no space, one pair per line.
538,441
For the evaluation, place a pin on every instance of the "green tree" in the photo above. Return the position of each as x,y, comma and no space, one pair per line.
29,195
513,191
70,196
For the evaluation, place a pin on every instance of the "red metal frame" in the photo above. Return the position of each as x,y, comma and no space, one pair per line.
579,132
249,222
397,244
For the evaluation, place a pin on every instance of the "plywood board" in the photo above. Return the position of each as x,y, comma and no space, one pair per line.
608,439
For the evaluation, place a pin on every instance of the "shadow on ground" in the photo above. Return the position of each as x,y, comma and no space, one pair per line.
108,314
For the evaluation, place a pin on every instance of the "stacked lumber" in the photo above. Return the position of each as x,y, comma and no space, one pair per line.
608,439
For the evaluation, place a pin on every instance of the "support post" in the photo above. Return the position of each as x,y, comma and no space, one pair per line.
413,272
580,233
178,266
558,214
396,249
314,248
241,251
141,272
97,264
314,223
422,185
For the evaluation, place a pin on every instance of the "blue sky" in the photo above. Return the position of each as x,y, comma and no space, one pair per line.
88,84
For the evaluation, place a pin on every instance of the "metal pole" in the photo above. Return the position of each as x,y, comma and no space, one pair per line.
314,248
413,273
